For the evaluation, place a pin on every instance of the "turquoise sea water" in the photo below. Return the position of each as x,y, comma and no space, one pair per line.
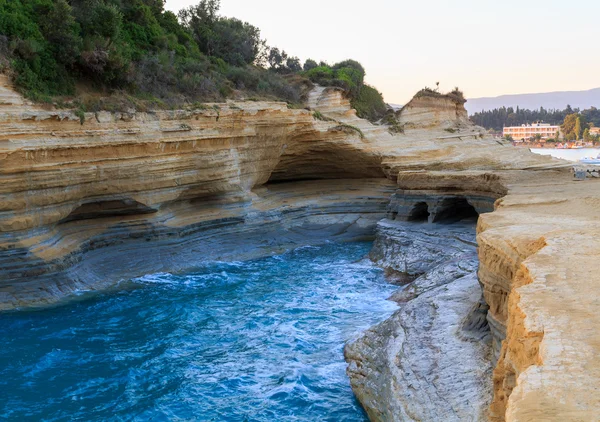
250,341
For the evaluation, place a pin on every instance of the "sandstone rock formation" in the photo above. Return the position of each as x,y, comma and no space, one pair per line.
427,361
88,202
539,267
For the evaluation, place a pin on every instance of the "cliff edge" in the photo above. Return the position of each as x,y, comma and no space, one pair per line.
90,200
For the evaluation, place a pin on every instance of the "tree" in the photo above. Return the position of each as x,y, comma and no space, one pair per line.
236,42
293,64
200,21
586,135
569,123
577,129
310,64
275,58
203,14
61,30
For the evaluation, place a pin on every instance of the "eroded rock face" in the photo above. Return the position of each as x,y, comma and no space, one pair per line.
185,234
82,206
426,112
431,360
539,267
72,188
409,250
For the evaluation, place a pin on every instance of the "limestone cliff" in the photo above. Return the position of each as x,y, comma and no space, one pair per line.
162,191
539,260
430,360
88,202
427,111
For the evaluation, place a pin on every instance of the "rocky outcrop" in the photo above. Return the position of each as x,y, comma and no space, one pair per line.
539,260
430,360
434,112
87,200
164,191
78,185
408,251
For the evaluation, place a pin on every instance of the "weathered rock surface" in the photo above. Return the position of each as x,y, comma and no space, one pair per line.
428,361
72,189
412,249
539,264
78,201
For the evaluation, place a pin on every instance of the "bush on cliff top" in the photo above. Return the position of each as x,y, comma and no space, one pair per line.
349,75
57,48
369,103
456,95
136,46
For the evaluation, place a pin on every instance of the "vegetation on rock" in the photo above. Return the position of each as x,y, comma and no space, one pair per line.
391,120
456,95
349,75
343,127
320,116
144,55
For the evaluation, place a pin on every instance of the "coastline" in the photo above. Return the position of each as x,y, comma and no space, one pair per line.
85,196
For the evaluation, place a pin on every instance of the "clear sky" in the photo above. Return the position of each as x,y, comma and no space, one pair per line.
486,47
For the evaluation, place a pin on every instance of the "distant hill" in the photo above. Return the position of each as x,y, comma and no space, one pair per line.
548,100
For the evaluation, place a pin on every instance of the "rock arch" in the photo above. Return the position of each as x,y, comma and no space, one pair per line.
453,209
419,212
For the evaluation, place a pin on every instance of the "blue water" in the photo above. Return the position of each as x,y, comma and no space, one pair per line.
568,154
252,341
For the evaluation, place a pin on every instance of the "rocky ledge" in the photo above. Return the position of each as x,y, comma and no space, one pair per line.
89,200
431,360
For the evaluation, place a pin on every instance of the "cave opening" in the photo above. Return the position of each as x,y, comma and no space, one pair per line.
419,213
453,210
110,208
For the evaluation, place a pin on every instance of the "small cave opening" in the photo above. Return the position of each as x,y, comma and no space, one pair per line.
111,208
419,213
453,210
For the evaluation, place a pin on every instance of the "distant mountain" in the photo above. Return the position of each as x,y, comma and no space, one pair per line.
548,100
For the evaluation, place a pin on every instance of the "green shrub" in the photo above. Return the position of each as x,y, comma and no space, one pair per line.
80,112
146,56
391,121
348,75
320,74
343,127
456,95
369,104
319,116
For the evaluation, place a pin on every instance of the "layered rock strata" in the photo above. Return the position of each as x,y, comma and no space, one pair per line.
79,192
431,359
539,254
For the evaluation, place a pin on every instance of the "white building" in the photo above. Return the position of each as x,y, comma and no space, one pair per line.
525,132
